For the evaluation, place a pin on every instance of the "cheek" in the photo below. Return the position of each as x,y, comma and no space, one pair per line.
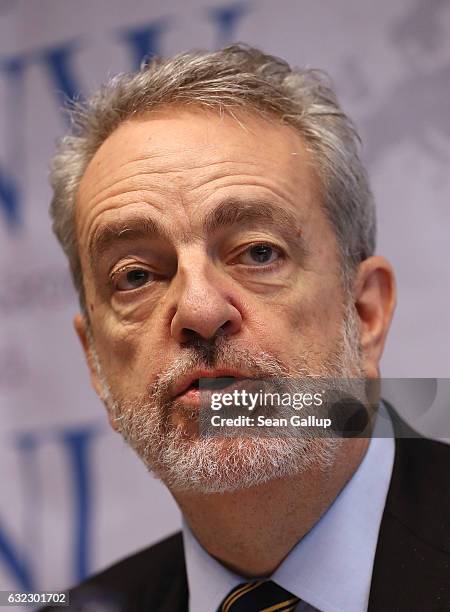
309,320
131,356
118,343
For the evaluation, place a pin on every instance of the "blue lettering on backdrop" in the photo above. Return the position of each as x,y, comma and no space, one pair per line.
9,199
10,196
143,42
77,444
15,560
226,18
58,63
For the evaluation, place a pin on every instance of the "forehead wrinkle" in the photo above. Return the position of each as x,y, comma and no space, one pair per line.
116,161
103,193
202,160
113,189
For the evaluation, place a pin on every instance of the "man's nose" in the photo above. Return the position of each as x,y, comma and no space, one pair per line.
204,310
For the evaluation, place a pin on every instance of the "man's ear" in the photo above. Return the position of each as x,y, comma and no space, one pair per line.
80,325
375,298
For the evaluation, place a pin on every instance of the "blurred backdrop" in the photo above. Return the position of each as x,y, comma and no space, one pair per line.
73,497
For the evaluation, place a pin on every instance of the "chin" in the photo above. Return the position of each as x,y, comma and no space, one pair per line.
219,465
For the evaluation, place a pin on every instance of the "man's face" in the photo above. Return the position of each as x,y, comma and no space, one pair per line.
196,229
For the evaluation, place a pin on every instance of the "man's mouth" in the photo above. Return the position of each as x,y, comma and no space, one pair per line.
191,387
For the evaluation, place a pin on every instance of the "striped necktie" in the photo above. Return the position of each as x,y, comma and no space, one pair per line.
260,596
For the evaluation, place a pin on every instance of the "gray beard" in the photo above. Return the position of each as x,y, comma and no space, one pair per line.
213,464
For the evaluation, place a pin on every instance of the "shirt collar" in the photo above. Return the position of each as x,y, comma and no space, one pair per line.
331,566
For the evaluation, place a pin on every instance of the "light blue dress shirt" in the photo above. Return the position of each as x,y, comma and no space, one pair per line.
331,567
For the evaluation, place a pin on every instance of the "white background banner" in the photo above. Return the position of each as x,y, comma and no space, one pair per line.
73,497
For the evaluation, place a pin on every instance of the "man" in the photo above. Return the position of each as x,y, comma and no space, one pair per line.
219,224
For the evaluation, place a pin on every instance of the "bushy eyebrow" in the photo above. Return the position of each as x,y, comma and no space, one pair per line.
228,213
113,233
236,212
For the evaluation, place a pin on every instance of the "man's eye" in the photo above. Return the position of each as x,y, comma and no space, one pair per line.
128,279
262,254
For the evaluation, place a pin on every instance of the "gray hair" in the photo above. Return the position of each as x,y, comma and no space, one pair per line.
237,77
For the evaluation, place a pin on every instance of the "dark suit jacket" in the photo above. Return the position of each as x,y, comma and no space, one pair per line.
412,561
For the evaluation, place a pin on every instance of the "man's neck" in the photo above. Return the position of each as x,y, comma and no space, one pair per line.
251,531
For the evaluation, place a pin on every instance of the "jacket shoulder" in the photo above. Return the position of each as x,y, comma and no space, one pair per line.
146,580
